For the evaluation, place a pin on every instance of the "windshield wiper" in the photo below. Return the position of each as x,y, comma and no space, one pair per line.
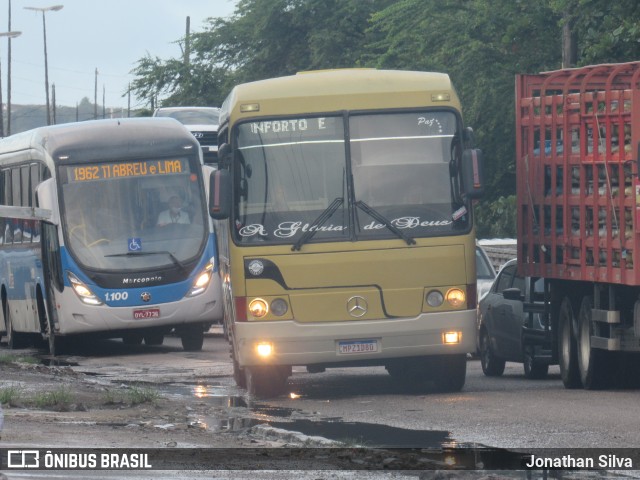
318,222
159,252
382,219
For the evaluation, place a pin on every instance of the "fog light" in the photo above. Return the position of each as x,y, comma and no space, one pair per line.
264,350
258,308
449,338
456,297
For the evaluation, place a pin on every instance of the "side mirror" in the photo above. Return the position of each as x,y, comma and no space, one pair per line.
512,294
472,172
224,155
220,194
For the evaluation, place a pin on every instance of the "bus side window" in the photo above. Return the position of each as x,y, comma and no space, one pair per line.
7,200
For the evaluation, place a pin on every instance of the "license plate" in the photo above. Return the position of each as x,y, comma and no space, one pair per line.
357,346
146,313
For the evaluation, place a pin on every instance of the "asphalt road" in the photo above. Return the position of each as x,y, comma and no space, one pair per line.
364,406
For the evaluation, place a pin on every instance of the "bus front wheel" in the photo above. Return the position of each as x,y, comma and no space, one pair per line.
266,381
192,337
14,339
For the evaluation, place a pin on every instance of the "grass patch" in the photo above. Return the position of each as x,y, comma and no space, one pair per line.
7,358
137,395
61,397
11,395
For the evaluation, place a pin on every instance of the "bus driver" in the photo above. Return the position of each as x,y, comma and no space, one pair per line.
174,214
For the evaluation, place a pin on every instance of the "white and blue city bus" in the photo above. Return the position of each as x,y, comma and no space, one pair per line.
81,247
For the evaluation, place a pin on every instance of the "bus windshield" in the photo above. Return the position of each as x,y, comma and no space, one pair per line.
135,215
293,177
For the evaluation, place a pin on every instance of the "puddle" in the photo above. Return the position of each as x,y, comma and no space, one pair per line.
214,395
349,433
367,434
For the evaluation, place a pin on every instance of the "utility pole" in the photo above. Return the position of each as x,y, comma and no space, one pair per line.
53,102
9,76
95,97
54,8
4,34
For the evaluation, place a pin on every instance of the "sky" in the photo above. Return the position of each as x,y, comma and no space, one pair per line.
110,35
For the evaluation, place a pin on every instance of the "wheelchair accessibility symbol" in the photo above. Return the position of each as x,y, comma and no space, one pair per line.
135,244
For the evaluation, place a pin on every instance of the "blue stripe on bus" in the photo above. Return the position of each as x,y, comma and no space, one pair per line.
131,297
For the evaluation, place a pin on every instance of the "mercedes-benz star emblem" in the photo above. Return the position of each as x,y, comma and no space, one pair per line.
256,267
145,296
357,306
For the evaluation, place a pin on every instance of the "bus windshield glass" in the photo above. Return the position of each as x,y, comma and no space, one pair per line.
134,215
289,172
292,178
400,164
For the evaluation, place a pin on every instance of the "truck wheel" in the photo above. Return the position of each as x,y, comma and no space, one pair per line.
266,381
192,337
567,349
532,368
492,366
450,372
592,362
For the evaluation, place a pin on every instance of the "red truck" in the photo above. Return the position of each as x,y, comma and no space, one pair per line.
578,200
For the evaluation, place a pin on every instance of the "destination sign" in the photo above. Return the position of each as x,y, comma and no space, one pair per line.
103,171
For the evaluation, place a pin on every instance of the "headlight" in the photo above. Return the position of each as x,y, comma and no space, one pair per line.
84,293
258,308
279,307
456,297
434,298
202,280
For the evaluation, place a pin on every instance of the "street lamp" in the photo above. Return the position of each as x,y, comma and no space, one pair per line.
8,35
54,8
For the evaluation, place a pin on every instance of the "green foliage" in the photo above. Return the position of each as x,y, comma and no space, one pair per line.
482,44
60,397
142,394
10,395
496,219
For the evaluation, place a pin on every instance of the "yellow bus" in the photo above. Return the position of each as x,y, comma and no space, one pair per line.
343,204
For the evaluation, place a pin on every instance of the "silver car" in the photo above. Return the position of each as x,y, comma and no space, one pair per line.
202,122
485,273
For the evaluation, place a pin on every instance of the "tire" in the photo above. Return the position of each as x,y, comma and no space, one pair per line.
266,381
567,348
132,338
592,363
14,339
192,338
532,369
450,372
492,366
153,339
